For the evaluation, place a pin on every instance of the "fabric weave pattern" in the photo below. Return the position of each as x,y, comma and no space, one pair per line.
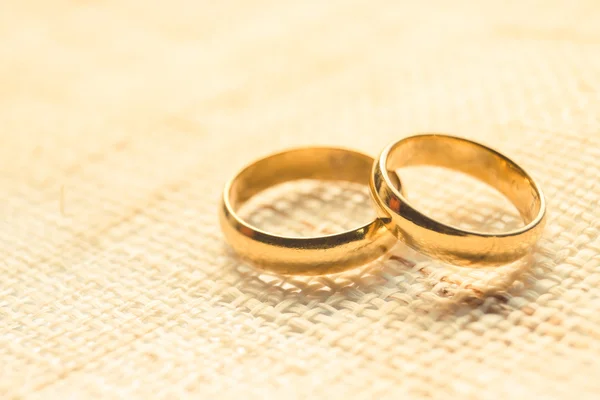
121,121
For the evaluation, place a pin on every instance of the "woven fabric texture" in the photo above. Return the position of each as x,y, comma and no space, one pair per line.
120,122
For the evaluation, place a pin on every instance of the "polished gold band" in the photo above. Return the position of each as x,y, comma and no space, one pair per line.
448,243
294,255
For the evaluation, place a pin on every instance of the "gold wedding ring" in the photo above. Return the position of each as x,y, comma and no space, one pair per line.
299,255
445,242
397,217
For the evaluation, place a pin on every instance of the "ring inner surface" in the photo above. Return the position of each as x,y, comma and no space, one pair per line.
474,160
327,164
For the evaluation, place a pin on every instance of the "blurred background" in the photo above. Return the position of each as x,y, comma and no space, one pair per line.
120,122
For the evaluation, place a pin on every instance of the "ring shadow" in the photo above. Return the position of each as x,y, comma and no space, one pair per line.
400,281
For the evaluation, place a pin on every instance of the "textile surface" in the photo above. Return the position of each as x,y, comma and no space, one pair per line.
120,122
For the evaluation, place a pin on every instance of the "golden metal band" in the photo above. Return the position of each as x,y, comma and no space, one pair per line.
448,243
295,255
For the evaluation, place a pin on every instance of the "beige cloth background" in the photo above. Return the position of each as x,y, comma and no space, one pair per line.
120,121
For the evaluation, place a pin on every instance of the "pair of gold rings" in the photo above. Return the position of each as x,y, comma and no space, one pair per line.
397,218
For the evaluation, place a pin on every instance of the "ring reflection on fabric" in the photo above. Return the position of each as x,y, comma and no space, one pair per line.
299,255
445,242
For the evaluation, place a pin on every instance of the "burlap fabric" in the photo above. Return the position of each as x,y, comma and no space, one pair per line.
120,122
